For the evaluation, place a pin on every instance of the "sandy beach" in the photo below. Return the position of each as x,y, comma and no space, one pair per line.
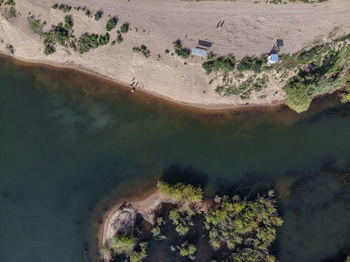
249,29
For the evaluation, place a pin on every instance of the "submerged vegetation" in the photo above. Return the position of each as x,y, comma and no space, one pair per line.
226,228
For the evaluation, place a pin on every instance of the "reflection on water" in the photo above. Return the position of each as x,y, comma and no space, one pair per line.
70,142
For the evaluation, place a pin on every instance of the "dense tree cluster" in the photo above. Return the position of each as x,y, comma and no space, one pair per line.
250,63
229,229
326,68
245,227
181,191
225,63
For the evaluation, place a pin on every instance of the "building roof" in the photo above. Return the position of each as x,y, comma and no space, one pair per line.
274,58
199,52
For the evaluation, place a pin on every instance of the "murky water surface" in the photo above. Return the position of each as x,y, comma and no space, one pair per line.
69,142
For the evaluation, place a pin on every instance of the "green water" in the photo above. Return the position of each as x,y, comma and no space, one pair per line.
66,148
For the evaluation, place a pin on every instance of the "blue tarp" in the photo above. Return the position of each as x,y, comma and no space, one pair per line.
274,58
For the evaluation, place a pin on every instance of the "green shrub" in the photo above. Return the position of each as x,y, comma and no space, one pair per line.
64,8
88,12
55,6
103,39
124,28
61,34
225,63
119,39
86,42
111,23
139,255
166,51
181,191
143,50
68,22
10,2
113,42
250,63
98,15
188,250
123,244
180,51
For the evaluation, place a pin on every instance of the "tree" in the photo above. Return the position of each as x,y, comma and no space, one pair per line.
181,191
123,244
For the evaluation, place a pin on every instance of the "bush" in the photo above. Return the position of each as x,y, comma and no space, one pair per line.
250,63
55,6
180,51
181,191
124,28
188,250
10,2
98,15
103,39
86,42
119,39
64,8
111,23
139,255
225,63
68,22
143,50
166,51
297,97
123,244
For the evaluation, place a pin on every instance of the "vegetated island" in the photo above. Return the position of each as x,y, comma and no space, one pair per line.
178,221
192,52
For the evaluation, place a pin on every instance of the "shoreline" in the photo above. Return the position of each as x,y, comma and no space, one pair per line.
131,199
213,108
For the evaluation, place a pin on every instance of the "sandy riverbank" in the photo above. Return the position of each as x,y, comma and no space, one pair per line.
250,29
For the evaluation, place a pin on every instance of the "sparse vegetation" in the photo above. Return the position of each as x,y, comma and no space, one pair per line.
36,25
119,38
143,50
62,7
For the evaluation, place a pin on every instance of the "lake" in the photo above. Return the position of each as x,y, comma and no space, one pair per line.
71,143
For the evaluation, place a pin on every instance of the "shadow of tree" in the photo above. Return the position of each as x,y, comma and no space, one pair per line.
175,174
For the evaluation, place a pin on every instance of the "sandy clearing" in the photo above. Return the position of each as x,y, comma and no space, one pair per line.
249,29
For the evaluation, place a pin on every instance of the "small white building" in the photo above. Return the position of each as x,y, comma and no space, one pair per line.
273,58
